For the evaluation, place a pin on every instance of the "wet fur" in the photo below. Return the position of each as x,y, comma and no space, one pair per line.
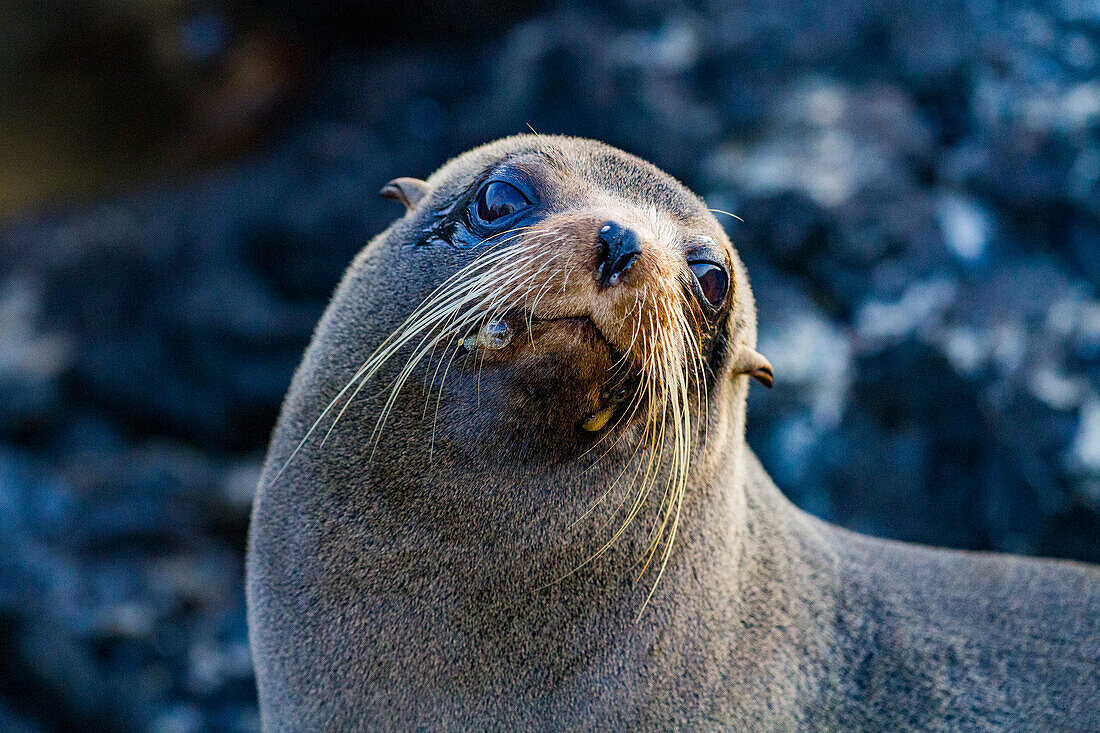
460,582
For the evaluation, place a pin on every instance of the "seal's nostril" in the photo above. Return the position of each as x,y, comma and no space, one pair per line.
619,248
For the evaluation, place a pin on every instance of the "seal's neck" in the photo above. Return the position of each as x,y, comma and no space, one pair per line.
495,625
526,529
533,552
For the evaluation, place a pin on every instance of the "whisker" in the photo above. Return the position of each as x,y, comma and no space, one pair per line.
735,216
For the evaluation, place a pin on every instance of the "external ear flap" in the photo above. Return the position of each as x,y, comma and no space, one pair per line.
754,364
408,191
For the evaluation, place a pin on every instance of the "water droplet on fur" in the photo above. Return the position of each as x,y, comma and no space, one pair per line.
495,335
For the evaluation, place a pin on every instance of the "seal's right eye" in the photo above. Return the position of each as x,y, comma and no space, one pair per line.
497,200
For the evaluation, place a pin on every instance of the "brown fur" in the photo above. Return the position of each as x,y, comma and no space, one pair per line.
452,567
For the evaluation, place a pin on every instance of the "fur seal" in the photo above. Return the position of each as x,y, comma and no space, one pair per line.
509,489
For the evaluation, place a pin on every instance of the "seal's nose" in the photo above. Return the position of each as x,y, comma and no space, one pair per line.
619,248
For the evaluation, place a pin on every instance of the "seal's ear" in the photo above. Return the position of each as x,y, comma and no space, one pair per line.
408,191
754,364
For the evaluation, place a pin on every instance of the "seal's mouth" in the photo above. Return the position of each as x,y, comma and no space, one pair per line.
582,324
498,334
602,377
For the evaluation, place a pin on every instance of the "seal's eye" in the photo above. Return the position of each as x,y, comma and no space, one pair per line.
712,280
499,199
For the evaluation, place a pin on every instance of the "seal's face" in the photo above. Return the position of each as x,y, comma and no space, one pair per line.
591,299
586,285
568,296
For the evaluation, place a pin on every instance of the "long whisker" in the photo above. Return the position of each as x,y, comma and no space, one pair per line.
735,216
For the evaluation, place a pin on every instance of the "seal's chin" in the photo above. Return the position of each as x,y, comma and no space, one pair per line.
563,370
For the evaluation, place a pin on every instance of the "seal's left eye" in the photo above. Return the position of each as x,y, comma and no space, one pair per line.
712,279
499,199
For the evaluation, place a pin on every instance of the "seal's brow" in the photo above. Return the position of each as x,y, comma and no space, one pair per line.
554,157
551,156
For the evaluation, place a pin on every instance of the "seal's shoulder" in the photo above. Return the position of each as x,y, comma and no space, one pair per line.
971,636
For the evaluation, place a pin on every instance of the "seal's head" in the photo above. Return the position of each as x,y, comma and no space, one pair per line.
551,318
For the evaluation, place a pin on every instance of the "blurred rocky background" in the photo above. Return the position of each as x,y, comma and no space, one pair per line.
182,184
